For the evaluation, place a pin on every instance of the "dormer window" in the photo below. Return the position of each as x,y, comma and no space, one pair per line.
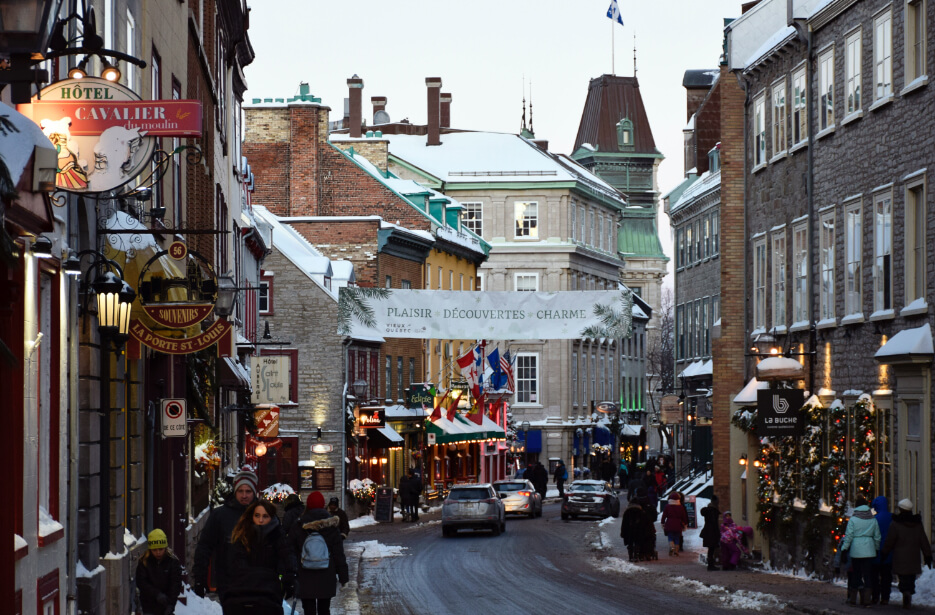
625,134
714,158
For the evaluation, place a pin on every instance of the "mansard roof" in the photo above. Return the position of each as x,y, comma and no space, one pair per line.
610,99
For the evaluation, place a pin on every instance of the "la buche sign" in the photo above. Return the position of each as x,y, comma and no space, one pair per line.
777,412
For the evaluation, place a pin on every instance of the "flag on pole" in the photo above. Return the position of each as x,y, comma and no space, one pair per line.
506,365
471,364
613,12
496,379
452,405
475,414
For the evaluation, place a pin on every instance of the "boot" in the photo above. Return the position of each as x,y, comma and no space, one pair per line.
852,597
907,600
865,596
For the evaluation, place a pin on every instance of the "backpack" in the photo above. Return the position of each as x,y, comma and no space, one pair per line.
315,554
565,474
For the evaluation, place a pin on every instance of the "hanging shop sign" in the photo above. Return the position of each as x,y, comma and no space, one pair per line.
271,379
493,315
371,417
777,412
419,395
104,133
173,415
671,410
220,332
266,419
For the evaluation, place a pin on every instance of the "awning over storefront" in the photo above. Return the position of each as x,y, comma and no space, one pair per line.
234,374
747,395
631,431
908,346
383,437
535,440
463,430
398,412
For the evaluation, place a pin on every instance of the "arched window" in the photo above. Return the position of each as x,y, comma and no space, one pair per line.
625,134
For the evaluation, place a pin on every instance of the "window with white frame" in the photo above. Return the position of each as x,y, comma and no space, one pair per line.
480,280
800,273
826,91
600,233
131,68
611,235
264,295
574,378
689,245
574,221
852,72
759,284
108,23
528,282
527,219
680,248
779,278
883,55
691,313
582,217
883,250
915,40
706,242
705,328
472,217
826,247
697,240
915,242
451,279
799,107
759,131
852,258
778,99
715,237
591,239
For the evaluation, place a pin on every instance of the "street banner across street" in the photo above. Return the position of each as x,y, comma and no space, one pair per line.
492,315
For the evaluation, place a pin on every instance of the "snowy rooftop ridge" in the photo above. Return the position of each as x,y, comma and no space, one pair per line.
706,183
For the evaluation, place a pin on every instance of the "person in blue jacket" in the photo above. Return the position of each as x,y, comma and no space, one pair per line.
881,574
861,541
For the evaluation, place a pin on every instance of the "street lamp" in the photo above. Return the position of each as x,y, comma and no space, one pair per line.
360,389
525,427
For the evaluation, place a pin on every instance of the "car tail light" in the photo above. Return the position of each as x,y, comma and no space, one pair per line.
525,493
489,501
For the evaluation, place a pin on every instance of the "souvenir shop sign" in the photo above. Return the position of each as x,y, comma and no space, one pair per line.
492,315
218,333
777,412
104,134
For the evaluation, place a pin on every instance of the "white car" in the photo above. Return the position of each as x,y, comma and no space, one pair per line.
473,506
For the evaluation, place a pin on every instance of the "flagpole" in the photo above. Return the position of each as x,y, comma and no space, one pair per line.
612,69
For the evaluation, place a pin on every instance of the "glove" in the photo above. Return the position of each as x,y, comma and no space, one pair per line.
199,589
162,599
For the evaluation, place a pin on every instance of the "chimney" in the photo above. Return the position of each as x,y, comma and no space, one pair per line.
355,87
379,104
434,87
445,102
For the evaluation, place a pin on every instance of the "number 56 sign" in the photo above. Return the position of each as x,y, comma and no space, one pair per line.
173,418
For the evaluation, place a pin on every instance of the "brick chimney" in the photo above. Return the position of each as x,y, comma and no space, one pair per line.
355,86
379,104
434,87
445,102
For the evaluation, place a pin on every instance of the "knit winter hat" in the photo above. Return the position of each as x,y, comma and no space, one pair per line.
334,501
315,500
674,500
905,504
245,477
157,539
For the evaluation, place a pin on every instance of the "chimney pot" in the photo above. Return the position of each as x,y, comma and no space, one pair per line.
379,104
355,87
433,86
445,112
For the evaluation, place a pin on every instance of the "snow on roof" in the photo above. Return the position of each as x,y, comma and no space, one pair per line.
773,42
418,233
469,241
917,342
343,270
17,146
707,182
747,395
707,369
691,370
298,250
776,367
691,123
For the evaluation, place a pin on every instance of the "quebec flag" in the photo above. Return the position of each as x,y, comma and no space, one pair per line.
613,12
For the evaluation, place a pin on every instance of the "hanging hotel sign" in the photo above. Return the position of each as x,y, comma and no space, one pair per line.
493,315
371,417
271,378
777,412
104,133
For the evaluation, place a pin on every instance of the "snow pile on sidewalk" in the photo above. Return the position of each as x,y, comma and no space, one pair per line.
925,589
373,549
731,599
196,605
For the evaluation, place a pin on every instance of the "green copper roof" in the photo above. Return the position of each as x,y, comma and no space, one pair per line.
638,237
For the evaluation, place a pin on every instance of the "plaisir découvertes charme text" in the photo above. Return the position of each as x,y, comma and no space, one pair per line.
485,314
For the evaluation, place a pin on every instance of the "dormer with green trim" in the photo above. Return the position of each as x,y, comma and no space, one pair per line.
625,135
437,208
453,215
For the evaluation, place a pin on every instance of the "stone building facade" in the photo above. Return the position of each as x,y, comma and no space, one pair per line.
838,219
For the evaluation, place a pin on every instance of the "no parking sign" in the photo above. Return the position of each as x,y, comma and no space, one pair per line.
173,418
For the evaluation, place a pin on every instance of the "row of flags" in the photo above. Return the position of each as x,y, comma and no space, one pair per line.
496,376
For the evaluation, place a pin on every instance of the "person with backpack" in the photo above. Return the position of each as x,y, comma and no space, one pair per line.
158,577
261,567
561,475
319,549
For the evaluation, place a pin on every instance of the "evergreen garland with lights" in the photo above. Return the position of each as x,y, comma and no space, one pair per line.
836,464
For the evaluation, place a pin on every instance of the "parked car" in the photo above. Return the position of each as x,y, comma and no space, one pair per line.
474,506
519,497
591,498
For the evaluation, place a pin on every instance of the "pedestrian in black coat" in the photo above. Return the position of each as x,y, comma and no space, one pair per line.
632,528
158,577
414,486
907,541
316,588
540,479
561,475
292,509
334,508
261,569
215,539
711,532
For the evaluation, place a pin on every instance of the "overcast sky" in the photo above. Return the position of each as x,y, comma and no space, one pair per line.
484,51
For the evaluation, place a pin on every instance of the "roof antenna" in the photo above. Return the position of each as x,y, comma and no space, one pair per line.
634,55
531,129
523,127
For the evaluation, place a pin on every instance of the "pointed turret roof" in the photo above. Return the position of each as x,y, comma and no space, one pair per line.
611,99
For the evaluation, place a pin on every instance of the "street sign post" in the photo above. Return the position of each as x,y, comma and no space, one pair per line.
174,414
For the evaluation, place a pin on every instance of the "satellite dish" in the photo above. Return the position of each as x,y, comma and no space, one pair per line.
381,117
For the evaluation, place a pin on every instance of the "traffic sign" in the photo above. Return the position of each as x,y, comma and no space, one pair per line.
173,418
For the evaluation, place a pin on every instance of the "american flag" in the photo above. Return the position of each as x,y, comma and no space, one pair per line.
506,366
